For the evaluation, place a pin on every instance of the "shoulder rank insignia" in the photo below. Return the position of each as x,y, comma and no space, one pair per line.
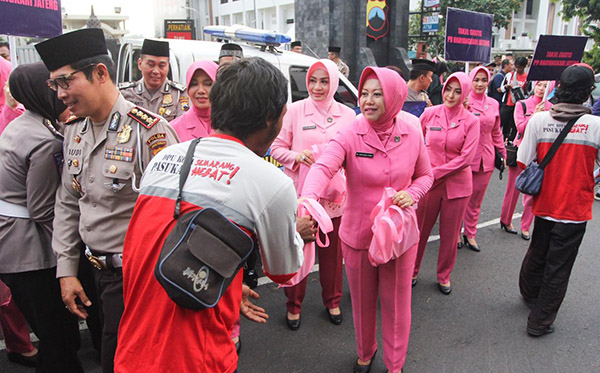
143,117
73,119
126,85
177,86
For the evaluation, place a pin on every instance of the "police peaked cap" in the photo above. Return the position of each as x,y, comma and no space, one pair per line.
72,47
231,50
155,48
422,64
296,43
335,49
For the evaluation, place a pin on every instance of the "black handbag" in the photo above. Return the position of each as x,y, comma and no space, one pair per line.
530,180
511,154
202,254
499,163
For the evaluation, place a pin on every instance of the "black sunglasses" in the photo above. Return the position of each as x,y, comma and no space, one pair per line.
62,81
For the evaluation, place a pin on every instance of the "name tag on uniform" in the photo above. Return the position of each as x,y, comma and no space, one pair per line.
364,155
527,115
309,128
435,128
477,114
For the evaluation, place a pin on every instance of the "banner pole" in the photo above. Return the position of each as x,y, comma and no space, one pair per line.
12,44
466,67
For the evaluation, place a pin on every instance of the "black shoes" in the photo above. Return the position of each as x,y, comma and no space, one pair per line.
28,361
538,333
363,368
445,289
292,324
238,346
507,229
526,237
470,245
415,280
335,319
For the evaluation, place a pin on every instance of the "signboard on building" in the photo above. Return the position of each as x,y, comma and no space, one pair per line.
180,29
555,53
41,19
378,24
431,3
468,36
431,23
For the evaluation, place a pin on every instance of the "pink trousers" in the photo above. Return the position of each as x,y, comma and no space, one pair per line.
510,202
330,275
12,323
451,212
392,283
481,180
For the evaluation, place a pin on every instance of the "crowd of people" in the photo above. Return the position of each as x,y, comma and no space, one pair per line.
95,176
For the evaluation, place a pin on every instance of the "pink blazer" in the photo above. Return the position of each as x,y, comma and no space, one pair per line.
522,118
191,126
490,135
451,147
304,126
370,167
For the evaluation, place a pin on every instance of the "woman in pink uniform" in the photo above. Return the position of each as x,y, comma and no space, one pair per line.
490,137
451,136
523,112
377,150
314,121
196,122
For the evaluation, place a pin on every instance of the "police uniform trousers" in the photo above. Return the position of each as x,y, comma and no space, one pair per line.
546,269
37,294
451,212
109,285
330,274
12,324
511,196
481,180
391,282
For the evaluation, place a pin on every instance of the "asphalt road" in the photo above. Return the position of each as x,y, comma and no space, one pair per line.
480,327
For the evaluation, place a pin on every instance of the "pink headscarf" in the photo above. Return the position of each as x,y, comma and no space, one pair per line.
195,122
334,80
465,85
477,100
210,68
394,94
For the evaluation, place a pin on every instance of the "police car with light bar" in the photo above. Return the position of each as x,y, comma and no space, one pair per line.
254,42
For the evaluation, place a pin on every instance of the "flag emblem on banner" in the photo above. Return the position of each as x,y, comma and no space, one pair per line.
377,20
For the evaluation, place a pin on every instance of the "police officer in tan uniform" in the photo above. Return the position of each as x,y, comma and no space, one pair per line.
105,154
154,91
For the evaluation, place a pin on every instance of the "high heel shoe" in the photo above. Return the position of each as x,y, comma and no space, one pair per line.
525,236
363,368
507,229
470,245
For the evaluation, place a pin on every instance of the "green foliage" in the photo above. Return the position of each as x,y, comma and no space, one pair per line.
588,12
501,9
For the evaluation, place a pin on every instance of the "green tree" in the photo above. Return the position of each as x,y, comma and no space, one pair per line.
501,9
588,12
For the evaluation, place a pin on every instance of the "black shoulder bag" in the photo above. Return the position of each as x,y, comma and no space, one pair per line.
530,180
202,254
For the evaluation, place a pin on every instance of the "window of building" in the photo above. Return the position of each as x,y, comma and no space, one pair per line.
223,1
300,91
528,7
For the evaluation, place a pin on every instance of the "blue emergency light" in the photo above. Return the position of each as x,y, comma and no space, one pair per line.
247,34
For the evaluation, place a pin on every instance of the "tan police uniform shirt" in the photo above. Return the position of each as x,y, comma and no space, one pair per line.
31,157
95,200
170,101
416,95
343,68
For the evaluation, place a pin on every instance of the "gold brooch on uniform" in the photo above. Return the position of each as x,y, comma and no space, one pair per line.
167,99
112,169
76,185
75,163
124,134
329,119
76,138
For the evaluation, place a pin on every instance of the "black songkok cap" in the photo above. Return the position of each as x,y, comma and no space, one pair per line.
155,48
72,47
422,64
231,50
490,64
577,76
296,43
335,49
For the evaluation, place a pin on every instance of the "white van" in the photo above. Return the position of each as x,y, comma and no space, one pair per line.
185,52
